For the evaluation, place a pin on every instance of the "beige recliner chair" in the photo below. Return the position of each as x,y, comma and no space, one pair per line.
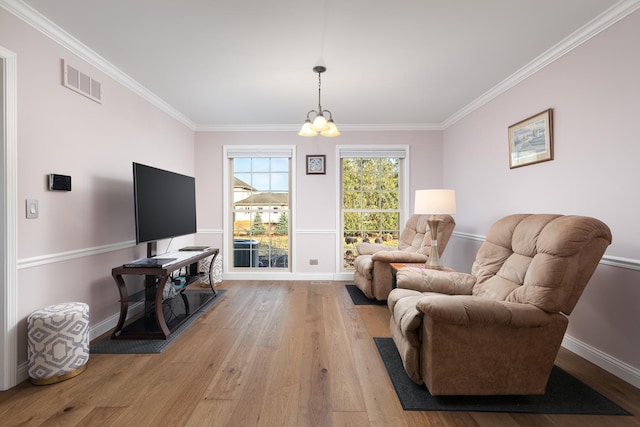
497,330
372,272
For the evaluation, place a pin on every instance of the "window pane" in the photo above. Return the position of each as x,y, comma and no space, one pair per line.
242,164
280,181
371,200
279,164
352,200
369,182
261,212
389,200
370,203
260,164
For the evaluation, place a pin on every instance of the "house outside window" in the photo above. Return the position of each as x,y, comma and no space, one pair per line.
259,210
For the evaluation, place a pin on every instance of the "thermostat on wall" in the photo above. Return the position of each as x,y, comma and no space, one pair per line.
59,182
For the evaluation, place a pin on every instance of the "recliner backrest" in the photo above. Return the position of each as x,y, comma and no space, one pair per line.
540,259
416,236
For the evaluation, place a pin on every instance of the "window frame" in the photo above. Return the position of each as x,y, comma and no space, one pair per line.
381,151
254,151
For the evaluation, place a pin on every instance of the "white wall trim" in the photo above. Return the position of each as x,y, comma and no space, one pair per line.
9,297
614,261
468,236
210,231
610,364
374,127
75,254
316,231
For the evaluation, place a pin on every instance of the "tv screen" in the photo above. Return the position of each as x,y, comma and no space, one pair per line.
165,203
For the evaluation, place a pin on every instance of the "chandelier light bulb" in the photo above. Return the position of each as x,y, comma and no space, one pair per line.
320,123
307,129
332,131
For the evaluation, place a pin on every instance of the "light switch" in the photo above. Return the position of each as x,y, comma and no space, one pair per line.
32,208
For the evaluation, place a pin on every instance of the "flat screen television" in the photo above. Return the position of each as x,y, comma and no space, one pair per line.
165,203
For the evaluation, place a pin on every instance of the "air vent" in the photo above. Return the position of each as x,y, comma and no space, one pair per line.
81,83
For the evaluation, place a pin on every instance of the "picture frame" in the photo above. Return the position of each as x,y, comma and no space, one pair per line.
316,164
531,140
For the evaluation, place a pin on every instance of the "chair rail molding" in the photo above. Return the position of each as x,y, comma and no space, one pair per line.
613,261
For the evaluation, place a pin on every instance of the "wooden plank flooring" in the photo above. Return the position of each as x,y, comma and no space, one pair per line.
270,353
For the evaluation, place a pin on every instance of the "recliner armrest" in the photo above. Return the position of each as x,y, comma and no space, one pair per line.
443,282
399,256
467,310
372,248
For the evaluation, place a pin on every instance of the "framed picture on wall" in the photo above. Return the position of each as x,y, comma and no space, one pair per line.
316,164
531,140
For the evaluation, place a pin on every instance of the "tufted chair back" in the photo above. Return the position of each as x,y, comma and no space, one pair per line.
416,236
543,260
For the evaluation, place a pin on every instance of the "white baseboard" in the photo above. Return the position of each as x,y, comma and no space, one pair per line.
610,364
109,323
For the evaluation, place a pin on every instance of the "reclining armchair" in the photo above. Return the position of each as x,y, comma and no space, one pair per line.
372,271
497,331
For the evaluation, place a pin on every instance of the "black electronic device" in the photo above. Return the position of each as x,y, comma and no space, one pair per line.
194,248
59,182
165,203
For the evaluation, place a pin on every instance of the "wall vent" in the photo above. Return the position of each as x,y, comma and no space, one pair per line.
81,83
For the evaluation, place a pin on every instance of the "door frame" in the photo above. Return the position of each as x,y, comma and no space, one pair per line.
9,233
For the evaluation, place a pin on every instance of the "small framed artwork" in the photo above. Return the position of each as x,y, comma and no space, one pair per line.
316,164
531,140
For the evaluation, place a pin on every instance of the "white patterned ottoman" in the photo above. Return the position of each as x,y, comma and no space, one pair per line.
58,342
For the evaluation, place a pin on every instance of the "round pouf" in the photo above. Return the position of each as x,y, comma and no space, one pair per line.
58,342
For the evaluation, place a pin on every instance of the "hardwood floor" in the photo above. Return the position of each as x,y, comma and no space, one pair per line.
270,353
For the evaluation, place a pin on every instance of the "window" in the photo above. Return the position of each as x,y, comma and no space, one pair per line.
260,209
372,186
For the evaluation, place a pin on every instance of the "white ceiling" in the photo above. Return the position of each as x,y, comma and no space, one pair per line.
407,63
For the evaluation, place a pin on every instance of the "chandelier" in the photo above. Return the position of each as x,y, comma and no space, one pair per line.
320,124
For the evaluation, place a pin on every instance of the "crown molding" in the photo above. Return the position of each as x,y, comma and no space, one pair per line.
32,17
606,19
378,127
609,17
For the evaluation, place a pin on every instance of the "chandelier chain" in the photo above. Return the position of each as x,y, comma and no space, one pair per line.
319,90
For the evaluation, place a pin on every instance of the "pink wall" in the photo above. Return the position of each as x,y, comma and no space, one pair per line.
65,255
595,93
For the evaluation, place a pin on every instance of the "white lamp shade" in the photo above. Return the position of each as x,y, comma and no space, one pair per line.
307,129
435,202
320,123
332,131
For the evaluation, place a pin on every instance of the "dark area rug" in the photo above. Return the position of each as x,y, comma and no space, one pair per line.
359,298
565,394
141,346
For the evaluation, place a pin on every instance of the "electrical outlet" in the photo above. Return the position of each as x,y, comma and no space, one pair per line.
313,262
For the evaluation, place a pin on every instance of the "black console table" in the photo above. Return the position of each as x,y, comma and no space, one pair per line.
161,317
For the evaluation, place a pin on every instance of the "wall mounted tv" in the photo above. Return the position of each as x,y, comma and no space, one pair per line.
165,203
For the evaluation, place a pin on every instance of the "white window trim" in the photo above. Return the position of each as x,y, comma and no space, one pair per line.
353,151
231,151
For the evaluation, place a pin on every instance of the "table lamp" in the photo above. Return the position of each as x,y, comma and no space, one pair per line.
435,202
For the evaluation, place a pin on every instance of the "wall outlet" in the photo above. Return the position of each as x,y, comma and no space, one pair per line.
313,262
